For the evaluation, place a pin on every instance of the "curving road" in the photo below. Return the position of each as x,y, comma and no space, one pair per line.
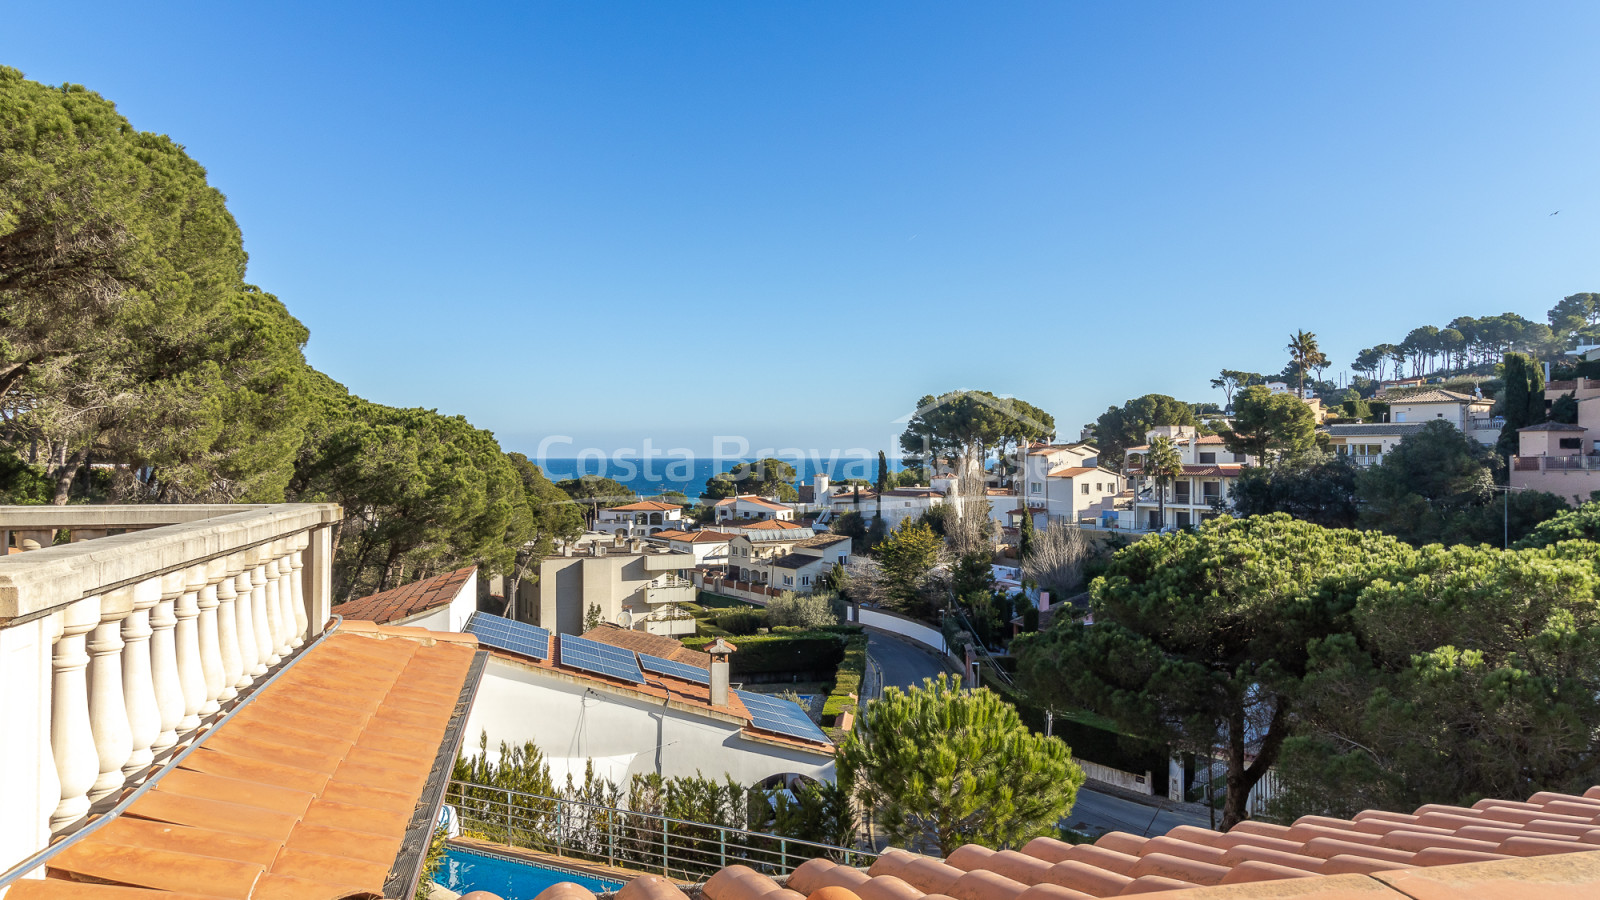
901,663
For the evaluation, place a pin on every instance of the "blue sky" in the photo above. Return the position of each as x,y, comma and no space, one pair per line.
787,221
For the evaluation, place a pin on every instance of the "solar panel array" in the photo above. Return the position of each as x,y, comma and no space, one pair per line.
780,717
601,659
676,669
506,634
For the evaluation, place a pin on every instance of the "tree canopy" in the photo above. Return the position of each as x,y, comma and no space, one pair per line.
970,425
1267,425
1200,638
1119,428
941,766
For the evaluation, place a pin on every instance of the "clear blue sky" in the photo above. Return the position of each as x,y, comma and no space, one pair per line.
789,220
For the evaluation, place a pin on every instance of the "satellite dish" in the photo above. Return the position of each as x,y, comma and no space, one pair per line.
626,618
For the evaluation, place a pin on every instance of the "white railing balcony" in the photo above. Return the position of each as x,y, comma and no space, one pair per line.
116,650
669,589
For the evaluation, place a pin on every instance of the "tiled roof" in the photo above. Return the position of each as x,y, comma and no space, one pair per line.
644,506
1434,853
1053,448
913,492
407,600
1553,426
795,561
1368,428
772,525
823,540
849,496
750,498
1437,395
1070,471
644,642
692,537
672,690
313,789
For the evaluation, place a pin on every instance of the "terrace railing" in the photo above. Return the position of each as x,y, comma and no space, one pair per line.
677,848
118,649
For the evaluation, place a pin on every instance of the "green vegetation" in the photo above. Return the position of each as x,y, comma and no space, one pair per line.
1197,634
765,478
906,556
1119,428
970,425
940,766
1268,426
1521,401
129,336
847,681
790,652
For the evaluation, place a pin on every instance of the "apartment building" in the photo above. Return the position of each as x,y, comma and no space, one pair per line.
1201,492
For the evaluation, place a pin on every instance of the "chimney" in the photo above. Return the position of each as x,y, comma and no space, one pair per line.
566,548
597,549
720,651
636,545
1044,600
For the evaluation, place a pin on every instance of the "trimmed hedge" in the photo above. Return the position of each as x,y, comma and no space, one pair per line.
767,654
848,680
1084,733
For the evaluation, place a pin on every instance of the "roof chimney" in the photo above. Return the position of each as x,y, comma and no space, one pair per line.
720,651
1044,600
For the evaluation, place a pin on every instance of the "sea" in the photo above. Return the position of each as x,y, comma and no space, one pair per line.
688,475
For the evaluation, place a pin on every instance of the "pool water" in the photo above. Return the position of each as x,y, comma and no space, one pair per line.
464,871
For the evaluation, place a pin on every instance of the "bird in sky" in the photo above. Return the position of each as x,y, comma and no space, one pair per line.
1556,213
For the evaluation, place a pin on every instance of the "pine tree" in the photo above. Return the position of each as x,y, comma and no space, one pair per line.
942,766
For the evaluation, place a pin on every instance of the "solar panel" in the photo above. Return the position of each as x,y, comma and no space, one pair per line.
780,717
680,670
506,634
601,659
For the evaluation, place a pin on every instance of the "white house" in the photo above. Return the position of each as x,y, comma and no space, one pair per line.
1466,412
639,519
666,726
1204,488
750,507
1365,443
1064,483
709,548
633,584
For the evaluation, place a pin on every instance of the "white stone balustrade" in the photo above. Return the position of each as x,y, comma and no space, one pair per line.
117,649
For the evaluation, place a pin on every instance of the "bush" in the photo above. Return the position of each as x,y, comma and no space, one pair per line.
804,611
766,654
742,622
847,680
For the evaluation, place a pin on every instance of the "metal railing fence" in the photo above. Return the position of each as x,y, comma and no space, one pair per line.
677,848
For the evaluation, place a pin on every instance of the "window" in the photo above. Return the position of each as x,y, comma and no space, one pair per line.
1208,458
1033,488
1238,457
805,579
788,579
1086,487
1399,417
1438,415
1572,443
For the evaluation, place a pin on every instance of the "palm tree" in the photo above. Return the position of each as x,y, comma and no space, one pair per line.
1303,350
1162,465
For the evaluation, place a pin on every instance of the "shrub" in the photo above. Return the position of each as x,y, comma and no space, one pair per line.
813,611
742,622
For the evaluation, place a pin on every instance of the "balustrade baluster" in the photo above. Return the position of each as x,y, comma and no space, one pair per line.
258,611
228,630
164,661
277,632
286,643
190,675
211,637
71,732
249,648
138,687
297,590
108,708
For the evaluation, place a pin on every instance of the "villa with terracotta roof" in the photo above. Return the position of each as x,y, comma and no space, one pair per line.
749,507
1065,484
1200,493
709,548
645,517
666,725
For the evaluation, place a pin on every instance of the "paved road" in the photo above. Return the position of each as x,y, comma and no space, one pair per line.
904,663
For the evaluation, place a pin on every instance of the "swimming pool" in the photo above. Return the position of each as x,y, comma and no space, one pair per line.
468,870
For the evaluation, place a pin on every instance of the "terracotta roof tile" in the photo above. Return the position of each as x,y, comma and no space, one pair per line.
644,506
644,642
407,600
293,796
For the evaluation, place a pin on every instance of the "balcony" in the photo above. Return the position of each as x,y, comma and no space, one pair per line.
669,589
1574,462
117,650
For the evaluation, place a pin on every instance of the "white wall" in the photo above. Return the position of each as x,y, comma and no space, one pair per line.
571,718
925,635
